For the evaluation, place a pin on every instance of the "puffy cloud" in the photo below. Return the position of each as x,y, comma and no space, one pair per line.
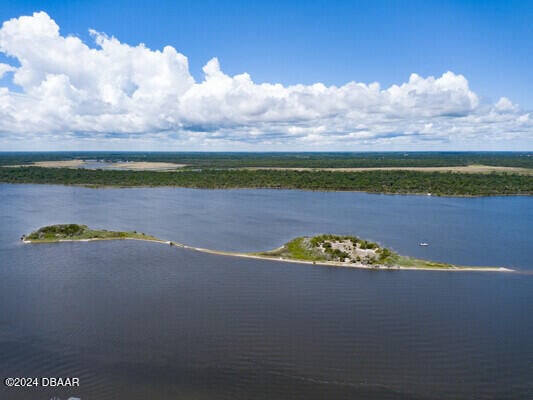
70,90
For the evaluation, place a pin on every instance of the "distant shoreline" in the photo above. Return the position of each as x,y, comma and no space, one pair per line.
382,181
106,187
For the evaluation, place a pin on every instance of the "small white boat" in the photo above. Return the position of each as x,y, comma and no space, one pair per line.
423,244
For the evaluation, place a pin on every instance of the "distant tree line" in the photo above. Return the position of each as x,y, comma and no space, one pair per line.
400,182
288,160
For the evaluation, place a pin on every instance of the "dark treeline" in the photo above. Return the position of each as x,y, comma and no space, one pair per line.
450,184
287,160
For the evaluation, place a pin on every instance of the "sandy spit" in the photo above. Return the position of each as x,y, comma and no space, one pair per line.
286,260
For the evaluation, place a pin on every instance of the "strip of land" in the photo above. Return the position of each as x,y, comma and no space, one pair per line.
327,250
58,164
387,159
130,165
467,169
436,173
166,166
376,181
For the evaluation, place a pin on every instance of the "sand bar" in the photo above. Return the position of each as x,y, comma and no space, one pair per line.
286,260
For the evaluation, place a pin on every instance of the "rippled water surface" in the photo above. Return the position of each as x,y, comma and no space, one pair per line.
137,320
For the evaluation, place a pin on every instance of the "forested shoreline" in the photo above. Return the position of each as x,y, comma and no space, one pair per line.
391,181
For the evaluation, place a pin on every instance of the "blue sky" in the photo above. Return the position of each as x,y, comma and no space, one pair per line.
331,42
334,42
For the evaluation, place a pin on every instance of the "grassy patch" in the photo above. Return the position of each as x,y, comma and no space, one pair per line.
404,261
301,249
297,249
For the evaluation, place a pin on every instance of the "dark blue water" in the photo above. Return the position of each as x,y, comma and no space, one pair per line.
138,320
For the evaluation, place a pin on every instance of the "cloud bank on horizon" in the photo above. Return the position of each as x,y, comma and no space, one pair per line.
64,90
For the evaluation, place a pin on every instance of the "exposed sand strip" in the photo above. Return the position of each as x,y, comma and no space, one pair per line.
57,164
470,169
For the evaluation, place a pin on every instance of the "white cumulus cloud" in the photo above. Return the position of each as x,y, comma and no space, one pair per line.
114,91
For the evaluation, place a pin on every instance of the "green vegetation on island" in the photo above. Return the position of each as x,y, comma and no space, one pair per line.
71,232
348,250
331,250
380,181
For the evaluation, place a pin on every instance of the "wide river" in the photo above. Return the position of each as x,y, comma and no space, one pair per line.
138,320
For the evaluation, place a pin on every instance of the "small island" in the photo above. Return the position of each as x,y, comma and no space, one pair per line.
329,250
75,232
347,250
